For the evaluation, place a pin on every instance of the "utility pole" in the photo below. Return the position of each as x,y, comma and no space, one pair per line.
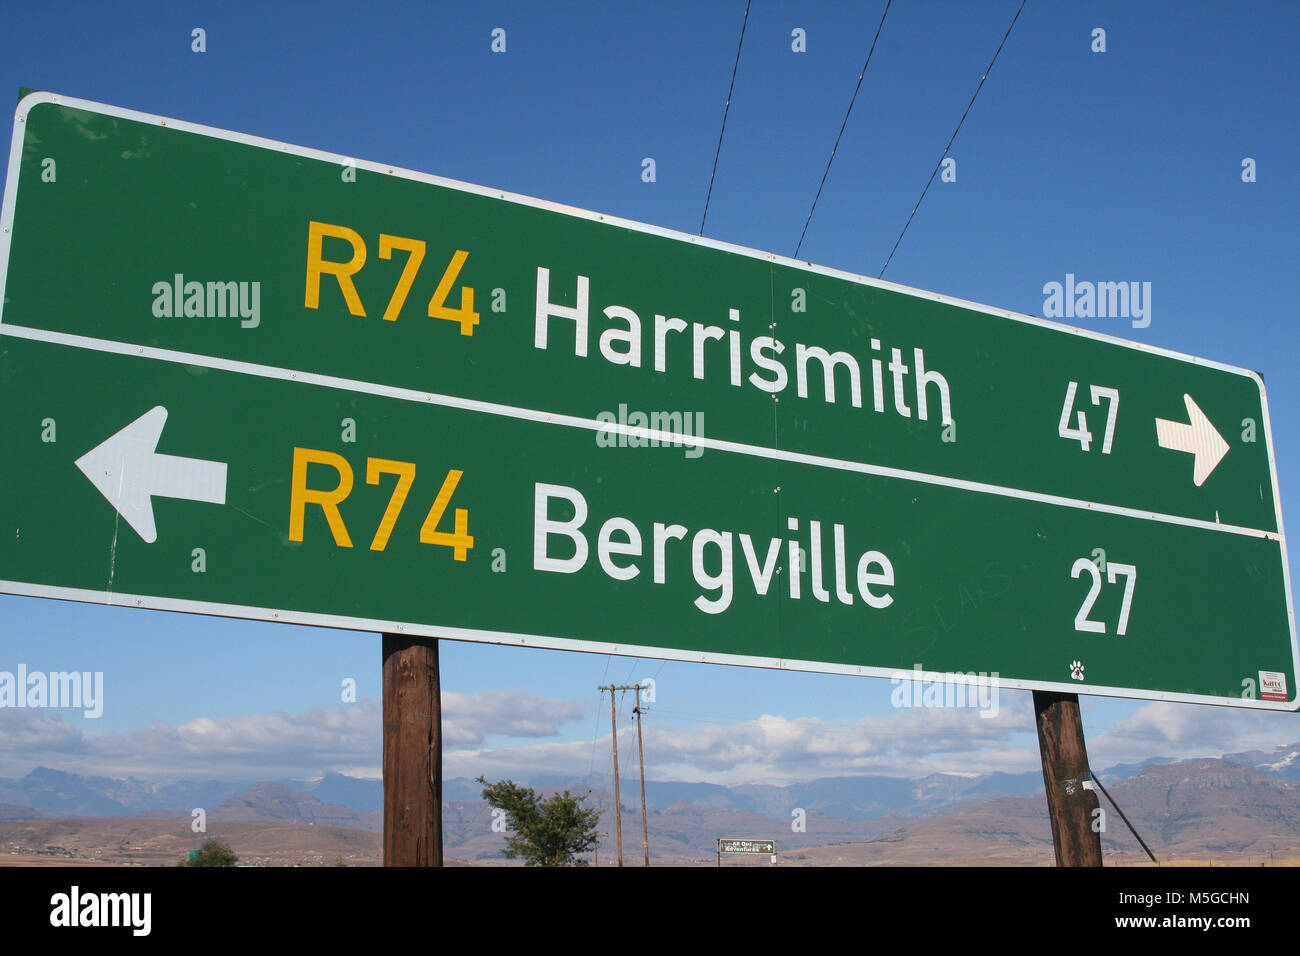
640,753
618,807
613,723
1067,779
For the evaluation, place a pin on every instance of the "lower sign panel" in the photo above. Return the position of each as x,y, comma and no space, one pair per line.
133,480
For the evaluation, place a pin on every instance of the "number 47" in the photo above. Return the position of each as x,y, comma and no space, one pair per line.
1081,433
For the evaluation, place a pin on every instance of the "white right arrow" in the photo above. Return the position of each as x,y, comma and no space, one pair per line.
129,472
1199,438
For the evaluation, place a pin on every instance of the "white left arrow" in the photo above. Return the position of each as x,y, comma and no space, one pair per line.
129,473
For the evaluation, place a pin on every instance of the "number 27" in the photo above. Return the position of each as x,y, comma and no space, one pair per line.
1081,620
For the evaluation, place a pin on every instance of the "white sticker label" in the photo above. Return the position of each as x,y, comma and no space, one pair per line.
1272,685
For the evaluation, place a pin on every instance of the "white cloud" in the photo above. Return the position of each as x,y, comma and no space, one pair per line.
484,733
1185,731
272,745
469,718
776,749
37,731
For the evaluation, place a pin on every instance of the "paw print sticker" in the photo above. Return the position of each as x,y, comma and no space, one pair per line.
1076,670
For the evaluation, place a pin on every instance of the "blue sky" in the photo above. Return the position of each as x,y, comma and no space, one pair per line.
1122,165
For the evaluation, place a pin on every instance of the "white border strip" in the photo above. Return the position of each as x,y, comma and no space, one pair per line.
573,421
517,639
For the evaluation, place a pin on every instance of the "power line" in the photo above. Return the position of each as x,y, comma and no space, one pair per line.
725,110
594,734
853,99
595,731
950,140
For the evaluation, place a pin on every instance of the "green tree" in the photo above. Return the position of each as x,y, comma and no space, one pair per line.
212,853
546,832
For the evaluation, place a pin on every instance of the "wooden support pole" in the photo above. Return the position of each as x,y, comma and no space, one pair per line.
1065,768
412,752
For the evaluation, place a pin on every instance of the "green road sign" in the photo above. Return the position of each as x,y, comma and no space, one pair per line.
245,378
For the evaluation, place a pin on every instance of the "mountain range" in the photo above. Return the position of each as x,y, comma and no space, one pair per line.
46,792
1239,803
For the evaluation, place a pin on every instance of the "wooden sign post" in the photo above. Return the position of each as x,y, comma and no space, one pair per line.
412,752
1070,803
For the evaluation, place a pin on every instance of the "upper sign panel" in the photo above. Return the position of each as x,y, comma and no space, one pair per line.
165,234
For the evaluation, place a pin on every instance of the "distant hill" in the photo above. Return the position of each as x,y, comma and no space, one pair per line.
274,802
364,796
861,798
58,793
1122,771
1284,762
9,811
64,794
1208,806
1191,810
